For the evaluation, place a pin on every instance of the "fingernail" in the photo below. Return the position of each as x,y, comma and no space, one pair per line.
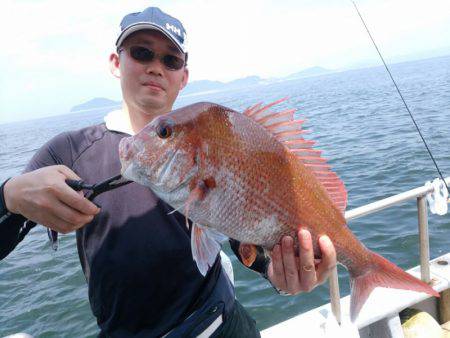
305,234
287,241
305,239
325,239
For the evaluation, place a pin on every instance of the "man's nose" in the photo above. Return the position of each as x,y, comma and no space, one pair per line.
154,67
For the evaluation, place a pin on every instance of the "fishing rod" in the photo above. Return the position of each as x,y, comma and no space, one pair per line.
401,96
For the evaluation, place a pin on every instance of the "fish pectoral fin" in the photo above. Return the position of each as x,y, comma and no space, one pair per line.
205,245
248,253
198,191
200,187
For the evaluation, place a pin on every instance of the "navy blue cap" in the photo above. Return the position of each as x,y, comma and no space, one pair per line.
153,18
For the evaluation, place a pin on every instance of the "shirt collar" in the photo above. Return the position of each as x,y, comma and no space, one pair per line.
117,120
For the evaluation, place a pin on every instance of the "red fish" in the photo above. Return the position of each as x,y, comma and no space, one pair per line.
254,178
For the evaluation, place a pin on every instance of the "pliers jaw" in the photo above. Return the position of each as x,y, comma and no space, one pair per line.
98,188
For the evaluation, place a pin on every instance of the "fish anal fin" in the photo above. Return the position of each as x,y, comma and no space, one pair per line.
382,273
289,132
248,253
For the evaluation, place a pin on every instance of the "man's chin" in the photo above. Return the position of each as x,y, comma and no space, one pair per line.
152,109
154,104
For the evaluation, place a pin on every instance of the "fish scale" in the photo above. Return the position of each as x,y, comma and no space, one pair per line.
236,201
252,177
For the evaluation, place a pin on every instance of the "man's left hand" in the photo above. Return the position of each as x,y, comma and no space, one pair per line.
294,274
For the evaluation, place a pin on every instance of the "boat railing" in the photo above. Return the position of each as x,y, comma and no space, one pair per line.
419,194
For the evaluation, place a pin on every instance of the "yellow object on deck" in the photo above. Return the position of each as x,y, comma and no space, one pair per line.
446,330
420,324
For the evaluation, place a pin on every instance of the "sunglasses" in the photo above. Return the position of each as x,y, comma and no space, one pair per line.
146,55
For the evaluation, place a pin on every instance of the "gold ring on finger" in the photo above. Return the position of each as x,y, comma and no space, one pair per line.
307,268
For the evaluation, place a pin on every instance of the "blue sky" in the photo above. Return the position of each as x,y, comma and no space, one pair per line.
55,53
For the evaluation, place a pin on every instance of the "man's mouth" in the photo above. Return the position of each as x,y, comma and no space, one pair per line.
153,85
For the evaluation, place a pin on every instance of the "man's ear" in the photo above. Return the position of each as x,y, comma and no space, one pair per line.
185,78
114,64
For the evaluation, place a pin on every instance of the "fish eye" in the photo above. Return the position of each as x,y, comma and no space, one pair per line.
164,130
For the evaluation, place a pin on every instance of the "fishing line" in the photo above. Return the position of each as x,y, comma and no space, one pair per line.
401,96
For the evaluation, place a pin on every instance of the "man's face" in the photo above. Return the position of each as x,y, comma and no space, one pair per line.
149,86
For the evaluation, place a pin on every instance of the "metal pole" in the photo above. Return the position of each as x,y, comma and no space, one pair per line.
390,201
422,213
335,295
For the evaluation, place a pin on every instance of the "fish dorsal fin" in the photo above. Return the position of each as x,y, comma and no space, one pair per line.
289,132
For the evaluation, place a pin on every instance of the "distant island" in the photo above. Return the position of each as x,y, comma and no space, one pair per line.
205,86
98,102
313,71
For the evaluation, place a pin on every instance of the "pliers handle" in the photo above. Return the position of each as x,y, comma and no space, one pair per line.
96,189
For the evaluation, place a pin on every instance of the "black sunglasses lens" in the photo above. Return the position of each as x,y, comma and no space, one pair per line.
142,54
173,62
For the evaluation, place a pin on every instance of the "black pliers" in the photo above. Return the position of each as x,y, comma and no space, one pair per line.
98,188
93,191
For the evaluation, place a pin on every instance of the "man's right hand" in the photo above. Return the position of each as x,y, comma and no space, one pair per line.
44,197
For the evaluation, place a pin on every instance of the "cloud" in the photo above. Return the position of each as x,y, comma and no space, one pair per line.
55,52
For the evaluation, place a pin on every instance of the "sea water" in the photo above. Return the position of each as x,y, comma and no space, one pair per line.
359,122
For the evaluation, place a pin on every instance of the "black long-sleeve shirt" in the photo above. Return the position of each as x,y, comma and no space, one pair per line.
135,254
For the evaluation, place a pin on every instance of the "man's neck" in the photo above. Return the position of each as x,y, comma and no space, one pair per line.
138,119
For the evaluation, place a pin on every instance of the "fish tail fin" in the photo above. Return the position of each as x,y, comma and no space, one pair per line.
382,273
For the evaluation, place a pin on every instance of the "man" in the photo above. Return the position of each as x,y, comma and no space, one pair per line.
135,254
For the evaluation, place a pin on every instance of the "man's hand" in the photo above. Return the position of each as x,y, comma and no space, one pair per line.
293,274
43,196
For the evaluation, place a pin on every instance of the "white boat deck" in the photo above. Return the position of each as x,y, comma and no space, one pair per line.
382,304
